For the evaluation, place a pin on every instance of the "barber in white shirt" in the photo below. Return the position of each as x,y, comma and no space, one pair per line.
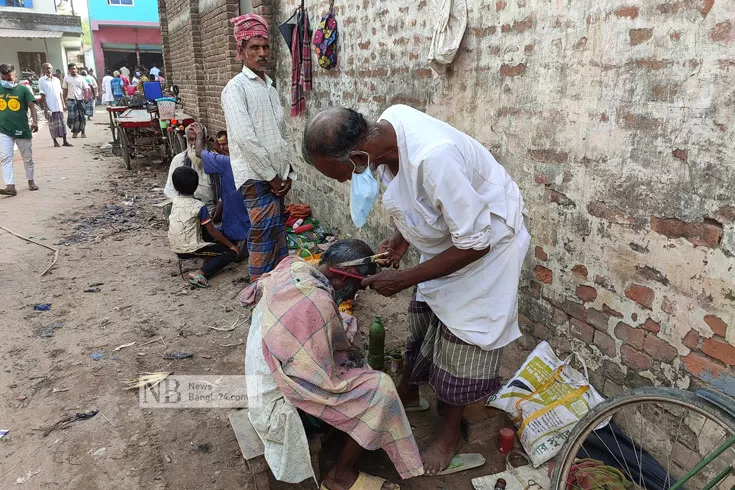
458,206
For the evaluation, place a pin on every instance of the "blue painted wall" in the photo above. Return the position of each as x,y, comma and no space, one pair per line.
141,11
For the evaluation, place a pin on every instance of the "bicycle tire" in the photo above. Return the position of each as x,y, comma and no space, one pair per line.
609,407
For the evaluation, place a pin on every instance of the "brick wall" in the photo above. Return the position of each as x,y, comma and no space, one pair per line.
615,120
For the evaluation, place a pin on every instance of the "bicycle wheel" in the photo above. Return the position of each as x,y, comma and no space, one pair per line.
657,438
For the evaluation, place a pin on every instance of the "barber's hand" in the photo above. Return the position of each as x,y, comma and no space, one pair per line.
217,214
235,249
198,129
386,283
396,247
34,128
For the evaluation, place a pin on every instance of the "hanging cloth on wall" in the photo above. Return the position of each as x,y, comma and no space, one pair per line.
300,62
325,40
448,33
287,29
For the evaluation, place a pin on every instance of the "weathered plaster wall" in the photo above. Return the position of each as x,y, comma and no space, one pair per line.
616,120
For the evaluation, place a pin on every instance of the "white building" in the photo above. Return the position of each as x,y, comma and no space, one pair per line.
32,32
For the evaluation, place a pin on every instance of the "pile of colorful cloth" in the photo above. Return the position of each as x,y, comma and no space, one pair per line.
303,232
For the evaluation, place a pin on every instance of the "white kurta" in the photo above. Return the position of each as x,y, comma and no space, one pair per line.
107,96
450,191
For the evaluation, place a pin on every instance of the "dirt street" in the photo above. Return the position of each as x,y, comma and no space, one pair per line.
62,361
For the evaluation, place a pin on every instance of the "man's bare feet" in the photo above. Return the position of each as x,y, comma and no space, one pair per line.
56,144
437,457
74,135
84,135
345,480
32,185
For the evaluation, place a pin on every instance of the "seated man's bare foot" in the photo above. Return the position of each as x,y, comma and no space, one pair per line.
437,457
346,480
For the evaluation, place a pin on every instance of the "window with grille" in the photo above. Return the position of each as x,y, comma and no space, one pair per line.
124,3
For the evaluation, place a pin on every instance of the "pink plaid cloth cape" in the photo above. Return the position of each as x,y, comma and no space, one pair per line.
320,372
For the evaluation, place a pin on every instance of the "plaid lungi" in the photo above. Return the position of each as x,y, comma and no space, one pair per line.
267,235
460,373
56,125
76,119
89,107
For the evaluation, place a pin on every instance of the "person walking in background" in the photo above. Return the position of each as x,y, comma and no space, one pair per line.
75,91
259,145
90,96
154,72
15,100
95,84
116,86
53,104
125,72
107,96
59,75
160,79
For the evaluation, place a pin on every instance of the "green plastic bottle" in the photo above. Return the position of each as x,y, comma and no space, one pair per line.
376,344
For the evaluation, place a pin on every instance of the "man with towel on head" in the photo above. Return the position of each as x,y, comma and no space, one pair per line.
260,149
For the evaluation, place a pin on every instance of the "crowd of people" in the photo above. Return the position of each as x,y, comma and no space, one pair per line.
448,197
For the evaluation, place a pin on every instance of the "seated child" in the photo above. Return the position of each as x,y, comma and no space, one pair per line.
188,216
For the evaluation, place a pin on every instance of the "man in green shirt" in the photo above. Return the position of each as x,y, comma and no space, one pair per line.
15,100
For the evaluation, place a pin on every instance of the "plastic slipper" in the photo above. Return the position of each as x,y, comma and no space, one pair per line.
366,482
421,407
463,462
198,281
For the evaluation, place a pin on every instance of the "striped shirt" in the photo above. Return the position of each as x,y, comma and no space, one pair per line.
260,146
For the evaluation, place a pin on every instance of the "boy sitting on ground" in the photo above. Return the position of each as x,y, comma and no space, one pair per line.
185,235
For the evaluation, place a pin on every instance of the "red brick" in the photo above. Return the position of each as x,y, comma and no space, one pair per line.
540,254
559,317
702,367
706,234
365,45
575,310
500,5
541,332
665,93
691,339
651,63
424,73
651,326
598,319
660,349
720,350
707,6
639,36
582,331
512,70
640,122
542,179
523,320
716,324
642,295
634,317
549,155
559,198
586,293
630,335
680,154
543,274
631,12
609,311
675,36
580,270
609,213
721,32
634,358
605,343
483,31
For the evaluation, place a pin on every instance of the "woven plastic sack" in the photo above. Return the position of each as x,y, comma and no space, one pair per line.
545,398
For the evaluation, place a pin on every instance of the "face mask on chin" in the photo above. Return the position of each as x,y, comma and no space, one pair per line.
363,194
8,83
